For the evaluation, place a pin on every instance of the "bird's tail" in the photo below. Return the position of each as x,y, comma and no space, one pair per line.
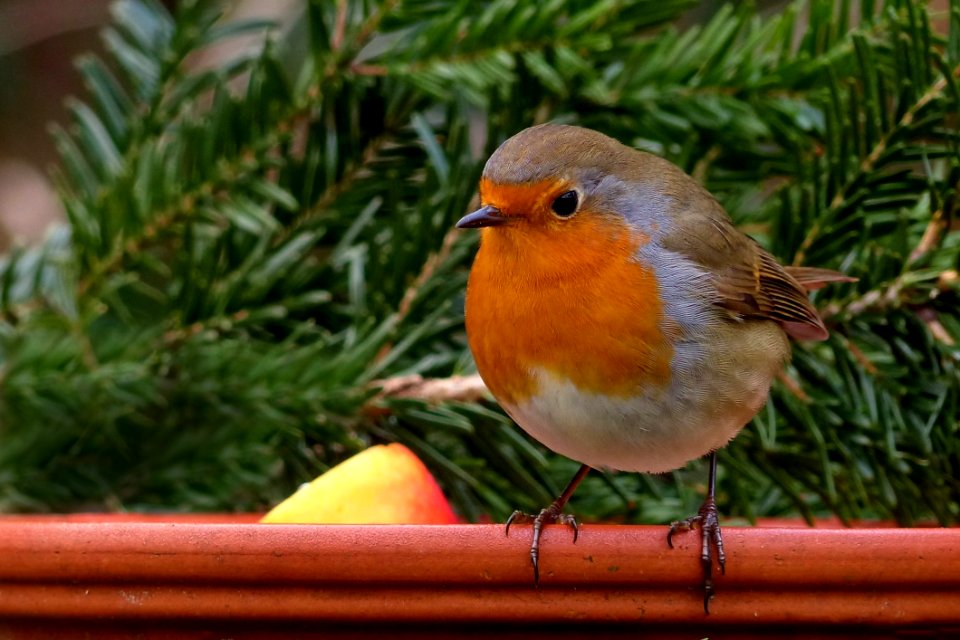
813,278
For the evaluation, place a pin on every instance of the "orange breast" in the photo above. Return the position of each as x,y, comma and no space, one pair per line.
571,300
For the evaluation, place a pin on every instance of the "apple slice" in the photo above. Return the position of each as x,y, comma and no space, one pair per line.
385,484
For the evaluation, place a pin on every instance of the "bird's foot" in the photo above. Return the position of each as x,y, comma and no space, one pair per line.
550,515
709,522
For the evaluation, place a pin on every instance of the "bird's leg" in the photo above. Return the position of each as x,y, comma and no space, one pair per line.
552,514
709,521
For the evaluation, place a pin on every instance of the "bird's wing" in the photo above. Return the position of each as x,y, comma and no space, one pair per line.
749,282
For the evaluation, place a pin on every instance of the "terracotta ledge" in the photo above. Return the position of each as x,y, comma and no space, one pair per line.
180,571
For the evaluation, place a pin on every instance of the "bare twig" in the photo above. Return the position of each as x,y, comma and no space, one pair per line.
861,357
793,386
340,27
335,189
703,164
931,236
429,267
432,390
937,330
426,272
887,297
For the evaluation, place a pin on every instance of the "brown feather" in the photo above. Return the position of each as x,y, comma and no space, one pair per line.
749,282
813,278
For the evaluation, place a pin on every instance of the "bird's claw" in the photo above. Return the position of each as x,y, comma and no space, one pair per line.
550,515
708,520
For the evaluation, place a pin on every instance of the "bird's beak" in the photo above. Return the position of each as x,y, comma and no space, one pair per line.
488,216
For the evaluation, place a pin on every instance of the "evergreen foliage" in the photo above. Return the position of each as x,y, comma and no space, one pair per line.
251,247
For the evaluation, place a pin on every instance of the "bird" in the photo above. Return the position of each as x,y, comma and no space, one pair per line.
619,317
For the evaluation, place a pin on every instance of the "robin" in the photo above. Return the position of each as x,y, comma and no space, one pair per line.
619,317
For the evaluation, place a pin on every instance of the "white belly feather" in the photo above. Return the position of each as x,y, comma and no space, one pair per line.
660,428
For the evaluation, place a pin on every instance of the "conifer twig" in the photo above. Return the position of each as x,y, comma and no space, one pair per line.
868,164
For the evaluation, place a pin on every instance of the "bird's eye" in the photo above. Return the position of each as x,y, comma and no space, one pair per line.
566,204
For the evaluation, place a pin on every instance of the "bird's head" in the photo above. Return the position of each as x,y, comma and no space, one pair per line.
561,183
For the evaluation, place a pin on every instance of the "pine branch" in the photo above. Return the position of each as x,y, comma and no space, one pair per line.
258,281
869,164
